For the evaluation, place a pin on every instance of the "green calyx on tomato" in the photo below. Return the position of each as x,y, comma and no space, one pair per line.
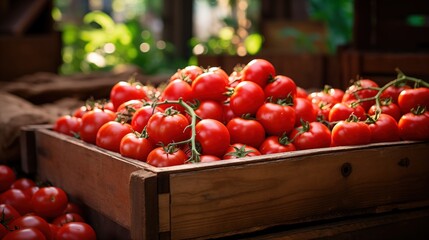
239,152
419,110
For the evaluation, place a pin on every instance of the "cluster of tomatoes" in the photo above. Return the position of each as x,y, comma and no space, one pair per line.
29,211
204,115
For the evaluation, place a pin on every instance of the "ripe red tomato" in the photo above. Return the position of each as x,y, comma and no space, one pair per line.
68,125
17,199
276,119
346,133
238,150
49,202
280,87
322,110
383,129
32,221
209,158
25,234
109,135
311,135
304,111
213,137
209,109
92,122
361,89
301,92
173,91
246,98
411,98
228,114
168,127
134,145
276,144
342,111
128,108
188,74
414,125
246,131
124,91
163,157
393,91
141,117
7,177
328,95
76,231
8,214
66,218
23,183
210,86
387,107
259,71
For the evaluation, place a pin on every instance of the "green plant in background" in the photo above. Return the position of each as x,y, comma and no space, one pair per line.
100,43
338,15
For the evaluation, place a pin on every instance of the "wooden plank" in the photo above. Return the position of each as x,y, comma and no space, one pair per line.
386,63
411,224
27,143
301,189
97,177
144,205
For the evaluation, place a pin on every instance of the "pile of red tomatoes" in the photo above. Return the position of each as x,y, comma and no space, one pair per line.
204,115
29,211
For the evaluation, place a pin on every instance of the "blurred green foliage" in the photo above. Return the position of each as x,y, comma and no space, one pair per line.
100,43
338,15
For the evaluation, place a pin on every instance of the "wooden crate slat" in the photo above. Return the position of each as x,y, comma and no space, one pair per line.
97,178
235,198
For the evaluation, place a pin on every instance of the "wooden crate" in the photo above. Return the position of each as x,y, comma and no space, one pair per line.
211,200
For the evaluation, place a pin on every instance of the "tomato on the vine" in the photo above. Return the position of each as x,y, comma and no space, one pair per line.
393,91
246,131
92,122
175,90
387,107
246,98
276,144
109,135
209,109
280,87
311,135
166,156
304,111
414,125
361,89
276,119
212,136
141,117
412,98
68,125
124,91
168,127
383,127
188,74
350,132
342,111
210,86
259,71
136,146
239,150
